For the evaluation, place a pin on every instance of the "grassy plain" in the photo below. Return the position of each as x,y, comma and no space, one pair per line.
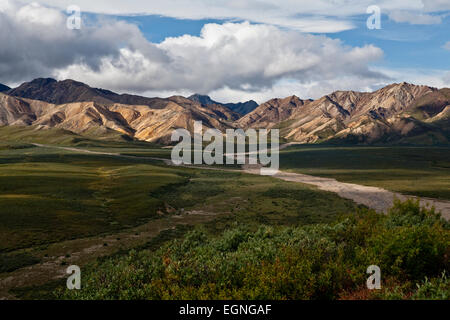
420,171
51,196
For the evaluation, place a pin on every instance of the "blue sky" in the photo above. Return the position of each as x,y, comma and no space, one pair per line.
405,45
157,28
232,50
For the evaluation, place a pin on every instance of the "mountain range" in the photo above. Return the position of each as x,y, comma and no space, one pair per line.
398,113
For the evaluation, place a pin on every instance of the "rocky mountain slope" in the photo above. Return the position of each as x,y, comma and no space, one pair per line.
272,112
242,108
398,113
141,122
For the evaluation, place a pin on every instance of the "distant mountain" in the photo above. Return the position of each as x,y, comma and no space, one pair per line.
272,112
206,100
154,122
68,91
4,88
398,113
242,107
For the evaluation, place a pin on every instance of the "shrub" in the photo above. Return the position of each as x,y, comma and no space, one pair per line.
307,262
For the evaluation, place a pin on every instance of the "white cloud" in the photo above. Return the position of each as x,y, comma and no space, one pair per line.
446,78
435,5
237,56
414,17
231,62
446,46
310,90
429,77
317,89
35,14
35,42
306,15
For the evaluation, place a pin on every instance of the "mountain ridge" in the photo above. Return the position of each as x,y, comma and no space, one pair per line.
399,112
387,114
140,122
68,91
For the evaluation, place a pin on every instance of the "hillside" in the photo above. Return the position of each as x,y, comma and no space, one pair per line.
143,122
270,113
398,113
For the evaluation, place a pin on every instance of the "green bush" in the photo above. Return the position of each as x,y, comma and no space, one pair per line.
428,289
434,289
410,252
327,261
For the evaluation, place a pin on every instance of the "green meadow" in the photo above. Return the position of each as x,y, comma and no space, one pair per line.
420,171
49,195
300,241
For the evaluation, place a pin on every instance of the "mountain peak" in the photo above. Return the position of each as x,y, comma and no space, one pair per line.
203,99
43,81
294,98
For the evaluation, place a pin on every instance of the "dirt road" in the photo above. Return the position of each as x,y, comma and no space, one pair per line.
372,197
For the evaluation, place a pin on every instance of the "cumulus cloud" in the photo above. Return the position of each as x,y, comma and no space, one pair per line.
231,61
446,46
238,56
35,42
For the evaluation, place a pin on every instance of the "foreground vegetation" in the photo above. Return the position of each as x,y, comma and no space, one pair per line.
50,196
267,238
420,171
324,261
